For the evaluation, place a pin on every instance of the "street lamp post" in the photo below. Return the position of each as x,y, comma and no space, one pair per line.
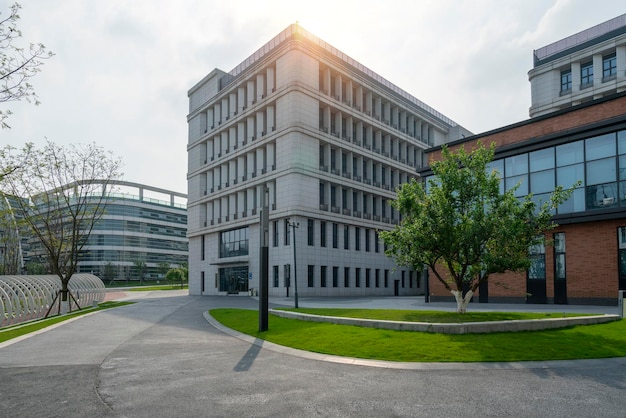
295,225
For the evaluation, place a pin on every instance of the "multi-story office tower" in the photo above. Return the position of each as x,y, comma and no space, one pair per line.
585,66
330,140
140,224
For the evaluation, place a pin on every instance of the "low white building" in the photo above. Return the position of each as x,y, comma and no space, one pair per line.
330,140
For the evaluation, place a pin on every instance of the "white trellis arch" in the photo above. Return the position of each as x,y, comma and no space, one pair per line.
23,298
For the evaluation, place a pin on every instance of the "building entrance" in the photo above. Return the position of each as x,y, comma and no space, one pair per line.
233,279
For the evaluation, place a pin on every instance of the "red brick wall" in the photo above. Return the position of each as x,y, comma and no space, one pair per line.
571,120
591,262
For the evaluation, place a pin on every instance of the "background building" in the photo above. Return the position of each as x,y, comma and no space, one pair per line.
331,140
141,224
577,132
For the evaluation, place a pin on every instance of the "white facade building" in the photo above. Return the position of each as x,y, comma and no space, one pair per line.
586,66
331,140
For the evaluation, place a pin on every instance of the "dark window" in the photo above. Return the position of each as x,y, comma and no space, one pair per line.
367,277
537,256
559,255
310,232
346,277
335,276
275,234
386,278
377,278
566,81
346,237
586,75
335,235
367,239
234,243
357,238
287,234
202,248
609,67
376,246
357,277
323,233
323,276
311,276
275,268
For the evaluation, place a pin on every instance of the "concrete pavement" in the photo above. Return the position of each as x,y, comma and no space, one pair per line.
160,358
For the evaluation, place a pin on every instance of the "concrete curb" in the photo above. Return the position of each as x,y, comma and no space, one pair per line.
454,328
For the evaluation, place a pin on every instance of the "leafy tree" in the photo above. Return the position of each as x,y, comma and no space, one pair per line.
108,272
61,193
17,64
463,228
140,268
178,275
35,267
163,267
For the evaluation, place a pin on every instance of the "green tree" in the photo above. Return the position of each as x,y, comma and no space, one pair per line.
61,192
140,269
463,228
162,268
178,275
108,272
17,64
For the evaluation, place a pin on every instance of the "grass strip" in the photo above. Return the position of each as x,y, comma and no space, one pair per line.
18,330
578,342
158,287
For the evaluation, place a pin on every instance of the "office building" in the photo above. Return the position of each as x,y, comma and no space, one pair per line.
330,140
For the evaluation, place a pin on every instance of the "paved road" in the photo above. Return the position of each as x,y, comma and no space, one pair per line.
160,358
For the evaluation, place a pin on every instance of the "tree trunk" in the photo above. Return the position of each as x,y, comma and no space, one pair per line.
461,302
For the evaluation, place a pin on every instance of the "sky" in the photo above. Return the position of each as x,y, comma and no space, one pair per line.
122,69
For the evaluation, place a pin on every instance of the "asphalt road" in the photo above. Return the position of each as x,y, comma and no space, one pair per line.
161,358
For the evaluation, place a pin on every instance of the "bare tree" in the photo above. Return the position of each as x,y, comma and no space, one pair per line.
62,193
17,64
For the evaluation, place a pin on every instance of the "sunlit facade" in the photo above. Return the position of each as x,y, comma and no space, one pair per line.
330,140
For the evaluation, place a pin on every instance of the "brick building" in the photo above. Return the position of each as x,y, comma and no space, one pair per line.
577,132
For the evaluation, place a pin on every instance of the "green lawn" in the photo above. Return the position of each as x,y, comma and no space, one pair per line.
579,342
157,287
18,330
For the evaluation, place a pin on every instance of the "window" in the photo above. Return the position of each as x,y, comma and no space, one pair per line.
537,256
386,278
323,234
287,274
609,67
323,276
335,276
234,243
377,278
287,234
367,240
275,234
346,277
357,238
357,277
275,268
311,276
559,256
566,81
346,237
367,277
202,248
335,235
586,75
310,232
376,246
